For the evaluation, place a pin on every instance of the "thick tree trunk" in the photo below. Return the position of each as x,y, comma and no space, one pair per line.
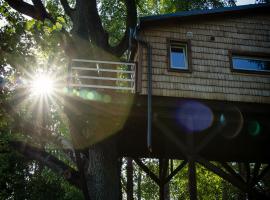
102,172
98,163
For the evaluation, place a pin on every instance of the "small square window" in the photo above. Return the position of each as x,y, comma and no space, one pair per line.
178,56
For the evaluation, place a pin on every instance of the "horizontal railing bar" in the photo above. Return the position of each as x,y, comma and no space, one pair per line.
103,70
101,86
101,61
103,78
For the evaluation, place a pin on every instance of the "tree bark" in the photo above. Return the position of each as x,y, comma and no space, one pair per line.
102,172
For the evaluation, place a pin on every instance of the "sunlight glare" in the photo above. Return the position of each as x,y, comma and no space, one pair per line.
42,84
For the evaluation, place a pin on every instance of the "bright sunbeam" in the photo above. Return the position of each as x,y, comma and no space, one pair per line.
42,85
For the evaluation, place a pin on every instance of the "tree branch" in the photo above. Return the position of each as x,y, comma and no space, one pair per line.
41,11
30,10
23,7
68,10
96,31
131,22
71,175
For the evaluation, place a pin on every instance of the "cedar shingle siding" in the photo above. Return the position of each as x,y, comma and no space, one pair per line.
211,76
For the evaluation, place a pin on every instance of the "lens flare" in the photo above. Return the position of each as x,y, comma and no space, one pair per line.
254,128
41,85
232,121
195,116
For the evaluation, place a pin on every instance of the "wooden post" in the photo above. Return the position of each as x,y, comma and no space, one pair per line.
161,175
163,172
129,169
192,180
192,183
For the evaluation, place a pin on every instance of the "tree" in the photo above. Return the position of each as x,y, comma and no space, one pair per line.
78,29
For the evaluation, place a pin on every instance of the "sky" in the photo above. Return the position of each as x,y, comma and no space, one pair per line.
244,2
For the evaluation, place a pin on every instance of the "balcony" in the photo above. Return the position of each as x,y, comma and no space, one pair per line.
102,75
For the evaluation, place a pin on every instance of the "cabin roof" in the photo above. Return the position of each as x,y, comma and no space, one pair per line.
252,8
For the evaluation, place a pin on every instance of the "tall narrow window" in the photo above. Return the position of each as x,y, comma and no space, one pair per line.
250,63
178,53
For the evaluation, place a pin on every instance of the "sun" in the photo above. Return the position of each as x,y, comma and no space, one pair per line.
42,85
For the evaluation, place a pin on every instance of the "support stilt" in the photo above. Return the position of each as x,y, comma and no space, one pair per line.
192,185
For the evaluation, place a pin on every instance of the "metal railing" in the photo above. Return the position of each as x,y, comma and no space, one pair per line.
98,74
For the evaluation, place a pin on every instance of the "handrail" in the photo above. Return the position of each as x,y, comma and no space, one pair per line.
99,78
102,70
102,78
103,62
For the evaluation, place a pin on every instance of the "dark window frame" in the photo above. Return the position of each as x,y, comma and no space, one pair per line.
248,54
187,43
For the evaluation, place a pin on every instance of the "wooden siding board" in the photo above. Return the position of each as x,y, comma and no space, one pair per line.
211,76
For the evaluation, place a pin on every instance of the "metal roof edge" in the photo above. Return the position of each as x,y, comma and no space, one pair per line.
194,13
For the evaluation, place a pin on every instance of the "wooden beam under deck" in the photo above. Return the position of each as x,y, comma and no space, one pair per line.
229,137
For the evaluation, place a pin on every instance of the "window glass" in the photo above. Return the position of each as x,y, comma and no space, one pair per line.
251,64
178,57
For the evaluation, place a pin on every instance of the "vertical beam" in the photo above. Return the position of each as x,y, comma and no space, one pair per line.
129,169
192,183
162,176
139,196
164,191
149,98
161,192
192,180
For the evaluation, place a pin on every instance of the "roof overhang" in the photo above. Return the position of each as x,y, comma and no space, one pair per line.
204,14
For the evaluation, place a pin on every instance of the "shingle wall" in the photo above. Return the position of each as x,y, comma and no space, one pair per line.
211,76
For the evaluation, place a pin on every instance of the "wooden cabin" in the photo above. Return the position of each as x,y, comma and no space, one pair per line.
198,84
221,54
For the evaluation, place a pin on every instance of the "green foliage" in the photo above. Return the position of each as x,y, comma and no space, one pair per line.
113,12
22,179
153,7
209,185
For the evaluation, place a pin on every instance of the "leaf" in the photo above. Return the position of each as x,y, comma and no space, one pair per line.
29,24
58,26
61,20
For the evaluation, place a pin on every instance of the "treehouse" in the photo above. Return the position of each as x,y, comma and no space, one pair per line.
196,88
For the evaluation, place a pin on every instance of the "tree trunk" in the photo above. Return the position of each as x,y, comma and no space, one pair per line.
102,172
98,163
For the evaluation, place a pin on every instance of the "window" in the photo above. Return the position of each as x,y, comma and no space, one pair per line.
178,56
250,63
